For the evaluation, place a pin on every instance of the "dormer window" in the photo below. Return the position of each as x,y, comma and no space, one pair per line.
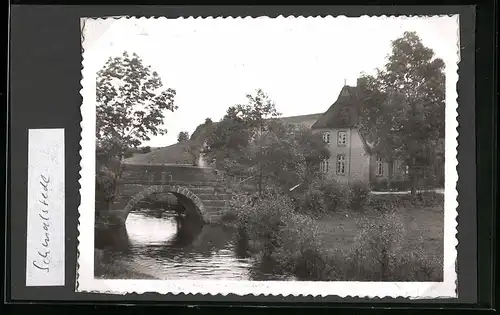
326,137
345,115
341,138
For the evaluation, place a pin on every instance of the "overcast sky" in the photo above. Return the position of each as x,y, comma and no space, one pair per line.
301,63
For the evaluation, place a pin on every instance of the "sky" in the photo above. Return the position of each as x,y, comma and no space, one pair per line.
301,63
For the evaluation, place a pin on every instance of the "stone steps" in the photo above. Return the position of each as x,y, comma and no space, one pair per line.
216,210
215,203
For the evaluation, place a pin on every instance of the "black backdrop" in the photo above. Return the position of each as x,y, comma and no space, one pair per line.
45,64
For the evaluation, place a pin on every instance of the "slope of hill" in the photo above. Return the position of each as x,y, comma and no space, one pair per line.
173,154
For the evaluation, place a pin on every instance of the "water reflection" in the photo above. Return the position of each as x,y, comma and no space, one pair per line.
166,248
164,245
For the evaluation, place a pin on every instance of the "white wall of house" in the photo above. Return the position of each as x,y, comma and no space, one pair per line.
356,165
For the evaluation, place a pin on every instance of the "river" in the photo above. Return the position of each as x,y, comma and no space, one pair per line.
153,246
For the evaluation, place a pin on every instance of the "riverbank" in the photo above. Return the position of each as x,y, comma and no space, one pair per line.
389,239
422,226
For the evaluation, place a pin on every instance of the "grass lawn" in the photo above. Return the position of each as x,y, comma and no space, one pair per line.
423,226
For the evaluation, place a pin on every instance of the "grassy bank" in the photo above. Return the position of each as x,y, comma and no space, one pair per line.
422,226
388,239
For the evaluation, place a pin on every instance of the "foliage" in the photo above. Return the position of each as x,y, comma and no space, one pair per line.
130,103
183,136
250,141
105,182
379,244
323,196
391,202
275,233
402,114
231,137
283,241
146,149
358,193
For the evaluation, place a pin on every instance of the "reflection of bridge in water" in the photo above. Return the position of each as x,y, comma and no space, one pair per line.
197,190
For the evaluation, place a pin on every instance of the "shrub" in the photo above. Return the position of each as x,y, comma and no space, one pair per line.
414,264
389,203
284,241
276,234
377,247
323,196
359,192
105,188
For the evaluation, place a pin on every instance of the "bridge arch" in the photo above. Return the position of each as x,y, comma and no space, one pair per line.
188,199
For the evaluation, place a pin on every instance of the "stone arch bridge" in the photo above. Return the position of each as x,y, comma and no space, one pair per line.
196,189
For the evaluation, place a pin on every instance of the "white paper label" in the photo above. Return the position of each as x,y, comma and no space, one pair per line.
45,234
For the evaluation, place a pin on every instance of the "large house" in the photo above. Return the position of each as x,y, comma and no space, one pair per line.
351,156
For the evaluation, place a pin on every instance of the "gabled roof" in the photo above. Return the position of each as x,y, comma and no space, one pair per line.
343,113
304,120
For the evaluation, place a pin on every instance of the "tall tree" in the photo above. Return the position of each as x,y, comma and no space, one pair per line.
130,107
404,106
242,124
183,136
131,103
251,141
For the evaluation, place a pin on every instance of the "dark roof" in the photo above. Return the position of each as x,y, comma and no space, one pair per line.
343,113
304,120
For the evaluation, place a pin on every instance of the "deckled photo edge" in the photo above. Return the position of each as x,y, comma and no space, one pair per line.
85,263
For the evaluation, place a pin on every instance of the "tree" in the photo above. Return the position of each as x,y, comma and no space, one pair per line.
288,154
183,136
251,141
242,124
146,149
403,110
130,106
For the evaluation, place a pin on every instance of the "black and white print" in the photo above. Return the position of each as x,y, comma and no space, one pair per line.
302,156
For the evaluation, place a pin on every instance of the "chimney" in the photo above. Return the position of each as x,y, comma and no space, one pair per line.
358,82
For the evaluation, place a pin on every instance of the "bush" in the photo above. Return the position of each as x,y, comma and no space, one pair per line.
389,203
105,188
284,241
378,255
359,192
276,234
324,196
377,247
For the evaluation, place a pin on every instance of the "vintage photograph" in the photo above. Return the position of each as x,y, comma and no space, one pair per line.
269,156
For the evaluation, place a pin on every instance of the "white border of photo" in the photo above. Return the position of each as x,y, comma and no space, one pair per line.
86,282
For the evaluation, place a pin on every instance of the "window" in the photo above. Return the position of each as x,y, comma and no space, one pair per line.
324,165
341,164
341,138
326,137
380,166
